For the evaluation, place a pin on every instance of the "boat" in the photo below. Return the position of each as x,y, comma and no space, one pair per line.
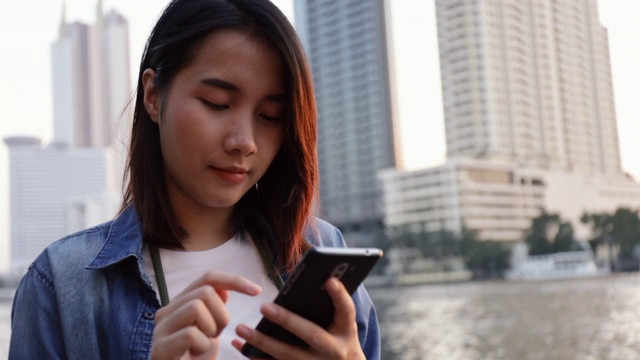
560,265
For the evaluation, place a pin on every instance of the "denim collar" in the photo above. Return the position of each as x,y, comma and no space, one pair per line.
124,240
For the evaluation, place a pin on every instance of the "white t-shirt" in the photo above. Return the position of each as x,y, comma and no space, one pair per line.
181,268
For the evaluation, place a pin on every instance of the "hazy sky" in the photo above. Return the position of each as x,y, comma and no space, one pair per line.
28,27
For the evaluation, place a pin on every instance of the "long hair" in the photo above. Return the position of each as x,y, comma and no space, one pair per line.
277,210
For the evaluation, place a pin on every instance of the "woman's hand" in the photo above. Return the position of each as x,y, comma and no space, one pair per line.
338,342
190,324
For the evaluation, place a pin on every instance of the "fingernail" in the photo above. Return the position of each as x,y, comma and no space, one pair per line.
243,331
269,309
332,284
252,288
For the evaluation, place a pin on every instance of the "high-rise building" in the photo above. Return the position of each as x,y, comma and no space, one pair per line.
46,184
529,119
347,47
91,81
528,82
92,87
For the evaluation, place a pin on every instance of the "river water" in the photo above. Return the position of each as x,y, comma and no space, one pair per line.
578,319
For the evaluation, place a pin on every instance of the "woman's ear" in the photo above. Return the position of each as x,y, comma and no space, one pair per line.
151,96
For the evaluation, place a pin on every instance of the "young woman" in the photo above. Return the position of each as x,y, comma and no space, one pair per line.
222,176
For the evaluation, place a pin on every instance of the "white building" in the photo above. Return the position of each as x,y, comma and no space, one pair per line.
528,82
45,184
498,200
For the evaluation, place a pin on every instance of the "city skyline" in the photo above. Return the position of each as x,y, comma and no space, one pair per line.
27,97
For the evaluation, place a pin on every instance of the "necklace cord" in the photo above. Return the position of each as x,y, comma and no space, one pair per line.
157,269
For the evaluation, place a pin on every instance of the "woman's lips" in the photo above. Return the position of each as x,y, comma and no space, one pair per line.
232,175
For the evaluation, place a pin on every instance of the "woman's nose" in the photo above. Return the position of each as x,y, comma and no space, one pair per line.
240,137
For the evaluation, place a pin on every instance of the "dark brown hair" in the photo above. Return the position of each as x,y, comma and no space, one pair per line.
277,211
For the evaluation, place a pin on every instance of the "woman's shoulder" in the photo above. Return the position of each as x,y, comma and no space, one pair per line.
322,233
78,246
93,247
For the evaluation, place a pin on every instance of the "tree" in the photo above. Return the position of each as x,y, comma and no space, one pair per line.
484,258
625,225
621,229
538,237
564,239
438,245
549,234
601,231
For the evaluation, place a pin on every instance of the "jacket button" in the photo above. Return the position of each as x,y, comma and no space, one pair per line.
148,315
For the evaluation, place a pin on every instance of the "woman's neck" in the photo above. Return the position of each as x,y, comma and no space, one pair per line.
206,228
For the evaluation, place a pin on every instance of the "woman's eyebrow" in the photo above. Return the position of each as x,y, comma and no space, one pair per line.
225,85
220,84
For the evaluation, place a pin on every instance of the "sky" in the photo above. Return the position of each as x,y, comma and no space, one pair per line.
28,27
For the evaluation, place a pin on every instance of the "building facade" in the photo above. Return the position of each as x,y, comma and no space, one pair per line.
497,200
528,82
45,182
346,43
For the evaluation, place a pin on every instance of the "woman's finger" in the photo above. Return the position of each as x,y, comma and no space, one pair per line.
210,290
175,345
344,318
225,281
193,313
277,349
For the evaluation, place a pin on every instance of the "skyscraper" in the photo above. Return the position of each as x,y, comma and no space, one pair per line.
91,80
528,82
92,87
347,46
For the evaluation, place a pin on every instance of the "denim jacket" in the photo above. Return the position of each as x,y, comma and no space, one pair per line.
86,297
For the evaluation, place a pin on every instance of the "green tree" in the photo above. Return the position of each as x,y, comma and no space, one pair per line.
484,258
438,245
564,239
549,234
625,225
621,229
538,236
601,228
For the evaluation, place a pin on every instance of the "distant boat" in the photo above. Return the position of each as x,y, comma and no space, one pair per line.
561,265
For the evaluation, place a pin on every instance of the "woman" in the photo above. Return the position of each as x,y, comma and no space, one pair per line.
222,175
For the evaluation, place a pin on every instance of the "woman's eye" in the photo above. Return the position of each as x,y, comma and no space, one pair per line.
214,106
271,118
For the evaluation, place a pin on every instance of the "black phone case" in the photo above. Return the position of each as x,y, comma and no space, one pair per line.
305,295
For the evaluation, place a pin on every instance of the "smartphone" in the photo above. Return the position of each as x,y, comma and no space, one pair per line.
304,292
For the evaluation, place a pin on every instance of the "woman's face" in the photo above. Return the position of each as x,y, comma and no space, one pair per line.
220,120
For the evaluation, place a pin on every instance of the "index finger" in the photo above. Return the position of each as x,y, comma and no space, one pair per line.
219,280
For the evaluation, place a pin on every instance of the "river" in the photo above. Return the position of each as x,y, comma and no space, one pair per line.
578,319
